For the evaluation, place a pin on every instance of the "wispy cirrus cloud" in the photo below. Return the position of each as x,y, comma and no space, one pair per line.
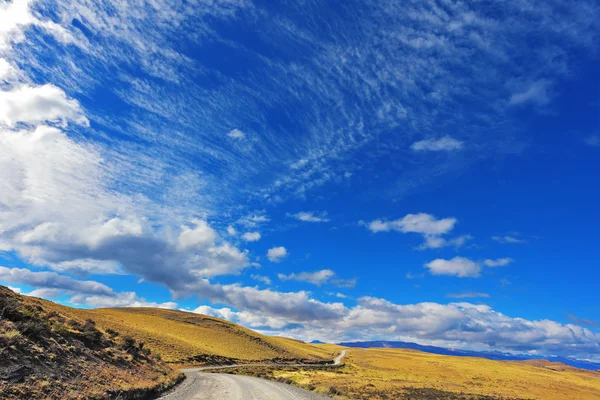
443,144
467,295
510,239
316,278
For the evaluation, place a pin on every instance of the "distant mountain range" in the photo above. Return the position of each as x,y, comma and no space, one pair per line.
491,355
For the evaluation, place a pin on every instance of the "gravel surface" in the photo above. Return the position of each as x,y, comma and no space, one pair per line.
206,386
211,386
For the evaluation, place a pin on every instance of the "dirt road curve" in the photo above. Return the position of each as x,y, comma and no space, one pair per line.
211,386
205,386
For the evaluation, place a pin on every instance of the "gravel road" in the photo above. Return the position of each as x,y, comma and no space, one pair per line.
212,386
205,386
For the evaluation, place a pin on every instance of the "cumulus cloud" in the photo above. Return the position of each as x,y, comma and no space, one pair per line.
100,230
446,143
83,292
231,231
245,318
37,104
52,280
316,278
124,299
458,266
499,262
309,216
251,236
452,325
427,225
236,134
276,254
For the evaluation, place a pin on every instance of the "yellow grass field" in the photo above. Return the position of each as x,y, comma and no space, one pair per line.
188,338
385,373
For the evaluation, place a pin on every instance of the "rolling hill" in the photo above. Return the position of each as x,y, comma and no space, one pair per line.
49,354
386,373
490,355
188,338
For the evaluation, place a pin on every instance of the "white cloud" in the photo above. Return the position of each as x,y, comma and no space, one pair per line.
245,318
458,266
251,236
467,295
264,279
443,144
236,134
450,325
87,266
231,231
316,278
276,254
508,239
309,216
37,104
499,262
425,224
52,280
14,289
16,16
91,293
536,93
123,299
7,72
436,242
200,237
254,219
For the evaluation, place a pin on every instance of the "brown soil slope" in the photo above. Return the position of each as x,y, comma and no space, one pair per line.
47,352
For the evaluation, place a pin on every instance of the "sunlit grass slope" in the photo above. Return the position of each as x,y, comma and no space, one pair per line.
404,374
182,337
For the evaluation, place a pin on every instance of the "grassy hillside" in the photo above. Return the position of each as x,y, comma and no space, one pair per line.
47,352
188,338
414,375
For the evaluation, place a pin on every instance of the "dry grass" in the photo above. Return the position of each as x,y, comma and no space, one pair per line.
50,354
409,374
188,338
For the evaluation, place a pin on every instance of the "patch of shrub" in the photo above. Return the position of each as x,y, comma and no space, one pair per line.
112,333
33,328
128,344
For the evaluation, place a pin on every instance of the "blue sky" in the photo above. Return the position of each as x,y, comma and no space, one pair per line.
422,170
